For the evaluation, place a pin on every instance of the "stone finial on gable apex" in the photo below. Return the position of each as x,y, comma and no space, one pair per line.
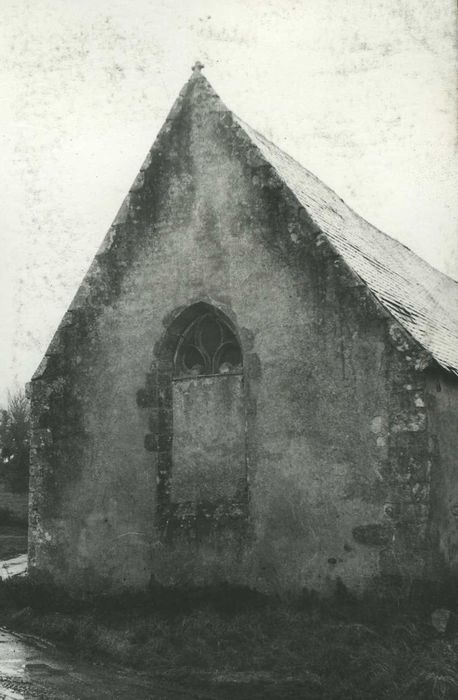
197,68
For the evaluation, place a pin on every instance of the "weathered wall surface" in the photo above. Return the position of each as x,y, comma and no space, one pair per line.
442,403
208,438
334,403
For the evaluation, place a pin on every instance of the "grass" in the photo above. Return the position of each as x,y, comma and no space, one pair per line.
251,646
13,537
7,518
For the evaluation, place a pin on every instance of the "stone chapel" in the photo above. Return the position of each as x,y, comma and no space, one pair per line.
252,385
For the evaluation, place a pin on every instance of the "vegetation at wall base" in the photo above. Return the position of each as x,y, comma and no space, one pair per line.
250,645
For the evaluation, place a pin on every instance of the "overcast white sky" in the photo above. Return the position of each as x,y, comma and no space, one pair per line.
362,92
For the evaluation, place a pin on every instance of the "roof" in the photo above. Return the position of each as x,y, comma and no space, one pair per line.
422,299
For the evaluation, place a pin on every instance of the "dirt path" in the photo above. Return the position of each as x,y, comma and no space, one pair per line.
30,670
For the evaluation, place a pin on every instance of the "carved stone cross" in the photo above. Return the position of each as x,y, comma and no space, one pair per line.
197,67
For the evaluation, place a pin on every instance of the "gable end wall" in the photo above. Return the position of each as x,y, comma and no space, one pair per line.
335,399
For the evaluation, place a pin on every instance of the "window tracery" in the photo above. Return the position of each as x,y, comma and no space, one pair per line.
207,347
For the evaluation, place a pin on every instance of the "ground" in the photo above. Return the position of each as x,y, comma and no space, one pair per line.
30,670
227,643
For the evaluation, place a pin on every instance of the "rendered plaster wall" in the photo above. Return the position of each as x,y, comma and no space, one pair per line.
333,393
208,452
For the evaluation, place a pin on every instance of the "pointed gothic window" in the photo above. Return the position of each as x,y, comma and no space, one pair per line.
207,347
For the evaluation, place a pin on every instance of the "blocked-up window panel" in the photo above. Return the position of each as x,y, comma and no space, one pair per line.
208,451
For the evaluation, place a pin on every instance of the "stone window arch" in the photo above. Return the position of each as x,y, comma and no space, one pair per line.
201,352
208,347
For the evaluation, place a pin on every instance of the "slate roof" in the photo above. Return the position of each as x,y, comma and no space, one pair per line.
422,299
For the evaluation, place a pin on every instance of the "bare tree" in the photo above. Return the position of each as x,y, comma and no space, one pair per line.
14,442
